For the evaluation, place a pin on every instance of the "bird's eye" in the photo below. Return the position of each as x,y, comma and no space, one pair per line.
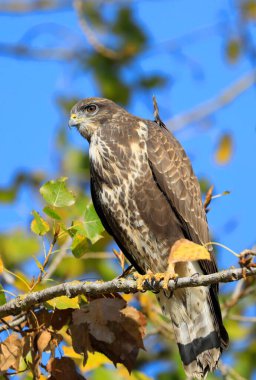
90,109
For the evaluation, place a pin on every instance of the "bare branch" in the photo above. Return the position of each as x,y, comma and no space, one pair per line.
72,289
19,7
91,37
24,51
207,108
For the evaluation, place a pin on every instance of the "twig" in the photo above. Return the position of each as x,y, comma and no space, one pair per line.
72,289
92,39
242,318
15,322
209,107
229,373
57,259
46,260
240,292
20,7
25,51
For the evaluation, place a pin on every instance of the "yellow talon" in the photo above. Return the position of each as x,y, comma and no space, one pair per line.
150,276
141,278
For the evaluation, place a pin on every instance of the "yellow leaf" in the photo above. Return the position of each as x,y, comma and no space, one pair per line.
224,149
185,250
249,9
1,265
69,351
64,302
233,50
96,360
38,225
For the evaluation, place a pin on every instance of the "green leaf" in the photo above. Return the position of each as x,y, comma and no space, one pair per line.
92,224
56,193
38,225
51,213
64,302
2,296
79,245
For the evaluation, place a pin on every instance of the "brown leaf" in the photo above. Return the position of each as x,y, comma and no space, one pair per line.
80,339
63,369
43,341
10,353
208,198
107,326
135,324
40,318
60,318
185,250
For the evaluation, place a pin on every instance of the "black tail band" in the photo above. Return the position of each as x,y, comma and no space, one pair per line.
190,351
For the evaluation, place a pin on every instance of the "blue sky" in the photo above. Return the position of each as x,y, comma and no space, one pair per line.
29,116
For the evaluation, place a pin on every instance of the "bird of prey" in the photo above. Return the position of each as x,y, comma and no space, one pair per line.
147,197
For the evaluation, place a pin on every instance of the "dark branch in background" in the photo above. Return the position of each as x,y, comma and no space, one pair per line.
72,289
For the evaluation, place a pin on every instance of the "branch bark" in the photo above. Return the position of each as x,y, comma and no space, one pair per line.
72,289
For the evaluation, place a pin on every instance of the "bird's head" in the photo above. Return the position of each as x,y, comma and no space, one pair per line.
91,113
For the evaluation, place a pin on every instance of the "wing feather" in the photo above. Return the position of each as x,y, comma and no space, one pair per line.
173,172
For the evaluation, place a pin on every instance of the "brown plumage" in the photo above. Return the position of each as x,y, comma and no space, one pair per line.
147,196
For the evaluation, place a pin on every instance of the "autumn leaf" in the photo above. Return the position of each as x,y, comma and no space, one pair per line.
249,9
38,225
43,340
10,353
108,326
208,198
60,318
185,250
224,149
233,50
57,194
64,302
63,368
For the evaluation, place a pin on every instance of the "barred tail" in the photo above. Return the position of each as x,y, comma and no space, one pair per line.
198,329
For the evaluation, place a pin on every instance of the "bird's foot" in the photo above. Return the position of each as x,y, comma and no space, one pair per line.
141,278
153,278
166,277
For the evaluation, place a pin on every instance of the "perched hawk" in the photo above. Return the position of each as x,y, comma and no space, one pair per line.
147,196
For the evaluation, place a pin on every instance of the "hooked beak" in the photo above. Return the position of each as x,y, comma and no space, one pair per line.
74,121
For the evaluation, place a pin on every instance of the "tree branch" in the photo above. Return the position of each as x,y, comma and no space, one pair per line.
209,107
18,7
25,51
72,289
